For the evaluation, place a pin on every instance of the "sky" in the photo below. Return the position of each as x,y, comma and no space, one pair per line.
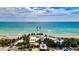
39,14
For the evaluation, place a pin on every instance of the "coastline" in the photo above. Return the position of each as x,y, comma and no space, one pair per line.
56,35
65,35
9,36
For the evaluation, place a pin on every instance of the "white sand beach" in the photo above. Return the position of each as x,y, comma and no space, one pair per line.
56,35
8,36
65,35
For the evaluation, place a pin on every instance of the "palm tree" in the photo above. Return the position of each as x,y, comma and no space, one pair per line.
26,39
39,41
49,42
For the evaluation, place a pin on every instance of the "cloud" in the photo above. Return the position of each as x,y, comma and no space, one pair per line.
40,13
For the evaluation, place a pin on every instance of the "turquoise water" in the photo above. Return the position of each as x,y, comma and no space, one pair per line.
19,28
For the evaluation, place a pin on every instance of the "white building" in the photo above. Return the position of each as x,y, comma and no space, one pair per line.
52,38
33,39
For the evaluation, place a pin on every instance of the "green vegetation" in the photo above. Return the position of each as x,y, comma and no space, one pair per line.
39,33
39,41
48,42
36,33
6,42
20,45
71,42
68,42
33,34
25,44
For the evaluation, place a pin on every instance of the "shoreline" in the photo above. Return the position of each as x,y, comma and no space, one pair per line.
56,35
9,36
65,35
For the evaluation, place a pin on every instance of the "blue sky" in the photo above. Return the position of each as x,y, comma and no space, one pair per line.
39,14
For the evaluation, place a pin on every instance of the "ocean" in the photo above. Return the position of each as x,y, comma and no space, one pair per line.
20,28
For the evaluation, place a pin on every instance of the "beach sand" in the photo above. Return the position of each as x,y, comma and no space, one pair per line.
65,35
56,35
9,36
